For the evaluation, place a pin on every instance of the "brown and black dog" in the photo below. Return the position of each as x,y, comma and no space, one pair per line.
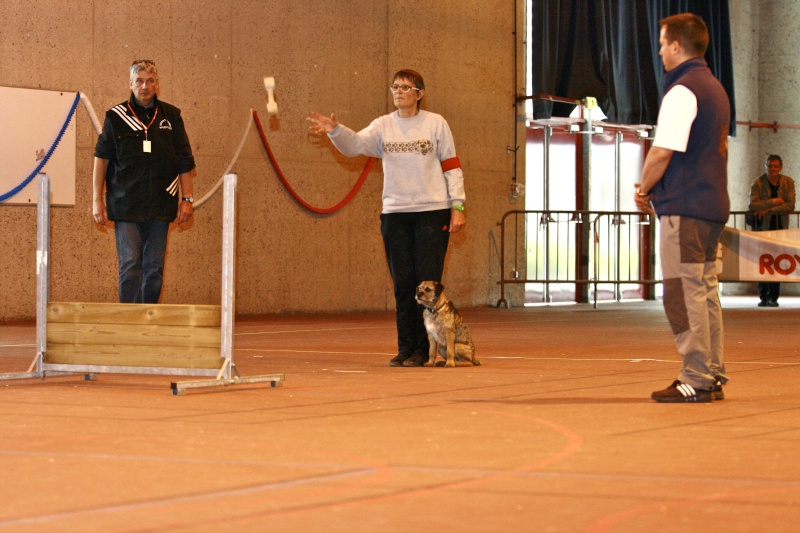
447,333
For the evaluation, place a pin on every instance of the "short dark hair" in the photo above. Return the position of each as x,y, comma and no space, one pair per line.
689,30
774,157
412,76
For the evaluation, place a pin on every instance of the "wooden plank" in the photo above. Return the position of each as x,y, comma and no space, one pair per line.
116,350
127,355
179,388
134,314
134,335
159,336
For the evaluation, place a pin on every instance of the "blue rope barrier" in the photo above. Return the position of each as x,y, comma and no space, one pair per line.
43,162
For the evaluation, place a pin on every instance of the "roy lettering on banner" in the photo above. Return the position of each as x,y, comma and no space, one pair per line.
783,264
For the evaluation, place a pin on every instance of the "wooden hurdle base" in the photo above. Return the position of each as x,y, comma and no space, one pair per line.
180,387
166,339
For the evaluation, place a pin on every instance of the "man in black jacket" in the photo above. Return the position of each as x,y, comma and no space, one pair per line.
772,198
142,160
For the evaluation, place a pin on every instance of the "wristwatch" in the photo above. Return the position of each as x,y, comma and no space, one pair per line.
189,199
459,207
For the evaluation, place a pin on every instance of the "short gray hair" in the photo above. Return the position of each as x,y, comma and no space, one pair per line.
147,65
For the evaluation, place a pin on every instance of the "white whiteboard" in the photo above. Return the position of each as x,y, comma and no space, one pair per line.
32,120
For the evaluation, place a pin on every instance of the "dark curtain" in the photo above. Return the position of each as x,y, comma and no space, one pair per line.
609,49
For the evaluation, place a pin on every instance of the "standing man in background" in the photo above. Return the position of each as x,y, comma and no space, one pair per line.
685,177
142,159
772,199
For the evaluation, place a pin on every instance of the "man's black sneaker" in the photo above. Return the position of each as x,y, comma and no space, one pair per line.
680,392
716,390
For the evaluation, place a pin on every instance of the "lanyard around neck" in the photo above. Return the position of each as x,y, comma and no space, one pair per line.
140,120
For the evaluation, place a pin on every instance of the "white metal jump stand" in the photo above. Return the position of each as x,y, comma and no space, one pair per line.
90,338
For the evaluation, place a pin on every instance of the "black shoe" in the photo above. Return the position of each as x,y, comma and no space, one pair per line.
417,359
716,390
680,392
772,303
398,359
763,303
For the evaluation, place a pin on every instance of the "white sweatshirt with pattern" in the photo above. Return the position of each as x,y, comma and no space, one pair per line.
412,150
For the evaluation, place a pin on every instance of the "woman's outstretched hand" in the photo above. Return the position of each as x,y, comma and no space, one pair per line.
320,124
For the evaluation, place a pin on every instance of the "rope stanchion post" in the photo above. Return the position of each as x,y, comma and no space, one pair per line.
225,378
36,368
42,268
228,273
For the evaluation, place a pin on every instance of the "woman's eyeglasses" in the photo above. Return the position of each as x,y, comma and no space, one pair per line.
401,88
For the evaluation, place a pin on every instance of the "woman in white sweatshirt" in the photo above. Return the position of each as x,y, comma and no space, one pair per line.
423,198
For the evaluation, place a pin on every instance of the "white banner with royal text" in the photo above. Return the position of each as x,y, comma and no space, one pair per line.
760,255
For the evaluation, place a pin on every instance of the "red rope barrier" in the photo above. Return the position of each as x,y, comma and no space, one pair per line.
318,210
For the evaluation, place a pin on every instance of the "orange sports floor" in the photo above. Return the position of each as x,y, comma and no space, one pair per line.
554,433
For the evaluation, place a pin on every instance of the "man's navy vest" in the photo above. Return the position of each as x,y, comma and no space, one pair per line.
695,183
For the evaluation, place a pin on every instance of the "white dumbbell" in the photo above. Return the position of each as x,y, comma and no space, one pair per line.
272,105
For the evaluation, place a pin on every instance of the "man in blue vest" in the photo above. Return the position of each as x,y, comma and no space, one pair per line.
685,180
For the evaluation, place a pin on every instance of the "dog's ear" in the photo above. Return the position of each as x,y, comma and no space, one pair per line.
439,289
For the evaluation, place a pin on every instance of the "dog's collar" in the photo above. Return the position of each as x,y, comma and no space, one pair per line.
437,309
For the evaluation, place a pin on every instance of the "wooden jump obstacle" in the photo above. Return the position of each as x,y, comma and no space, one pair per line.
91,338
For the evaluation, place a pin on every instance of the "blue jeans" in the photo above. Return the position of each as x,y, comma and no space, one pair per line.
415,244
141,249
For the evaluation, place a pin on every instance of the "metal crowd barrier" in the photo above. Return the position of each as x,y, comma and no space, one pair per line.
607,255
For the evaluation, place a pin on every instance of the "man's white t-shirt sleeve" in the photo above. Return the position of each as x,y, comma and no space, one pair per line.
678,111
